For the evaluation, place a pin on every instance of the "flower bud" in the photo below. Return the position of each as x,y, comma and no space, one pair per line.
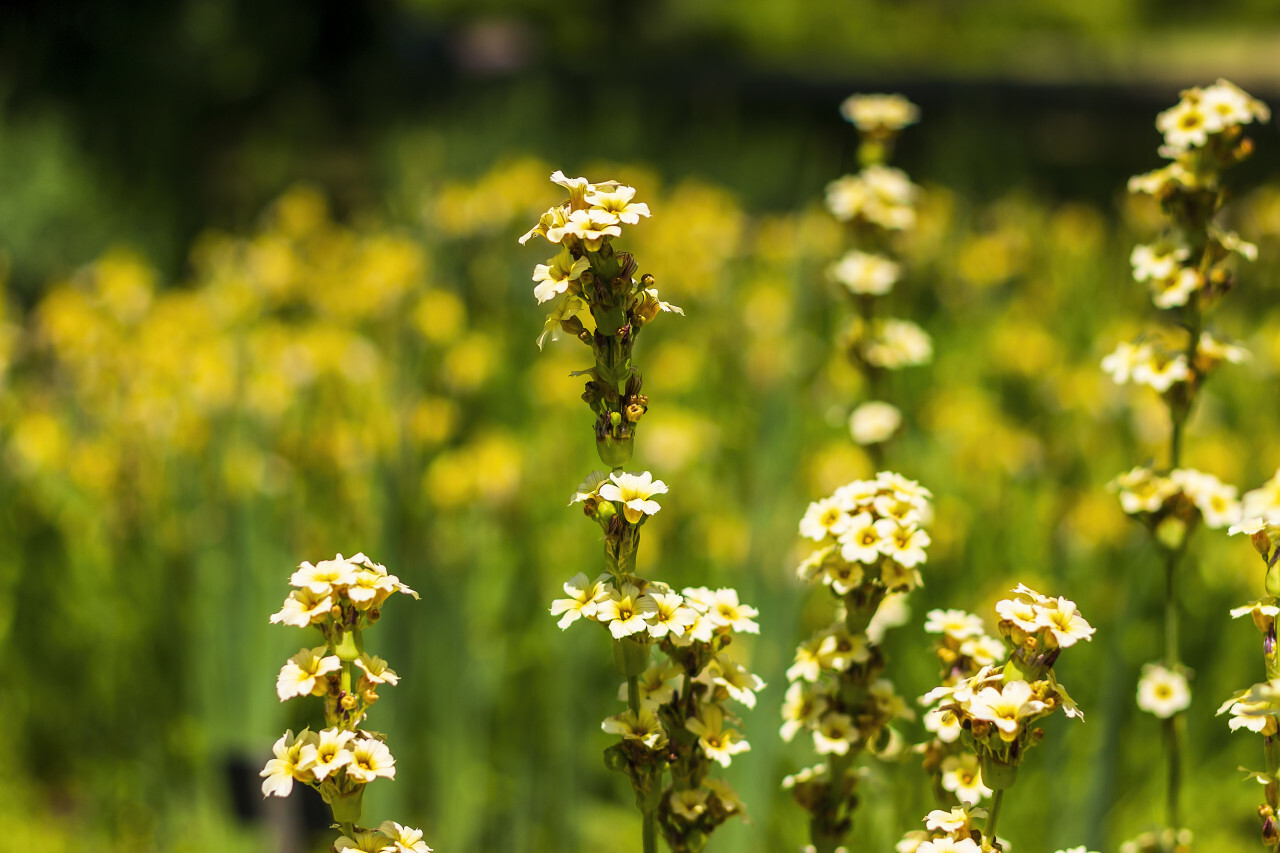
615,452
1171,532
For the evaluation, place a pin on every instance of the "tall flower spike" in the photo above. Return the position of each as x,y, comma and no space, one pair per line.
1186,272
342,758
676,726
870,545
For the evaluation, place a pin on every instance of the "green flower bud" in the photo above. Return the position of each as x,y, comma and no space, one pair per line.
631,657
615,452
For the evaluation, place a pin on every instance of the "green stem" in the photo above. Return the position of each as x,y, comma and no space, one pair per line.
1172,735
650,835
633,694
648,817
994,815
1172,725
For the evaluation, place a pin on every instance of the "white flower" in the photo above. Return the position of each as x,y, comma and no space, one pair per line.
826,516
625,611
557,274
617,204
865,274
870,113
584,598
874,422
634,491
1163,692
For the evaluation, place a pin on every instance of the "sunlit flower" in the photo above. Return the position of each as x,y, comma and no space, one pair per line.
557,274
280,771
370,759
835,733
404,839
1006,708
584,598
328,753
625,611
874,421
616,204
302,675
871,113
726,610
865,274
1162,691
634,491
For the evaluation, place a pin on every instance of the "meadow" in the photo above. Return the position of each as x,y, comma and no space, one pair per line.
364,377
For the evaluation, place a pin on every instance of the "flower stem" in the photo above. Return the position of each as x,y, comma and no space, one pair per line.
633,694
994,815
650,831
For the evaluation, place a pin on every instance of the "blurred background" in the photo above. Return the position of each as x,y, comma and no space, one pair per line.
264,303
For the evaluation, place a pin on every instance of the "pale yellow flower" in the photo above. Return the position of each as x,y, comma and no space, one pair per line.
1006,708
634,491
328,753
404,839
726,610
802,705
718,743
303,674
370,759
375,670
835,733
584,598
1162,691
302,608
279,773
625,611
616,205
555,276
870,113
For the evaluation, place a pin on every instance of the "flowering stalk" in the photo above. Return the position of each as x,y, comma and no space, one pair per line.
1257,708
341,598
676,721
871,545
992,712
877,203
1187,271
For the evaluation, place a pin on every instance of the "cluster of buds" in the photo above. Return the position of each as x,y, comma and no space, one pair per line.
964,648
871,545
1187,269
877,203
994,711
341,598
1257,708
677,723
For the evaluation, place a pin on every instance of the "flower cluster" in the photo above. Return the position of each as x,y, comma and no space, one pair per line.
1171,504
340,598
964,648
871,545
993,712
677,720
1257,708
877,203
1187,270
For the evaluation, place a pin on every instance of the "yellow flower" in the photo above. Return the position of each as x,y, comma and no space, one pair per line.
557,274
634,491
280,771
301,676
370,759
718,743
